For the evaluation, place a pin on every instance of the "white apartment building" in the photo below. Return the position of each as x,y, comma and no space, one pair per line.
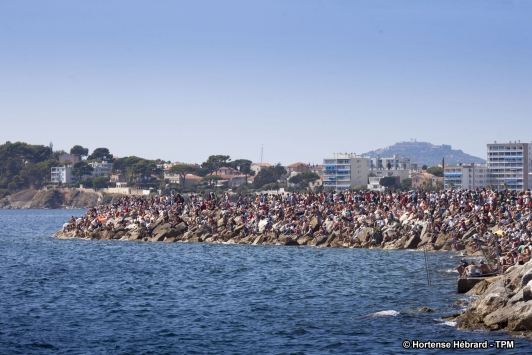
101,169
510,165
466,176
391,163
345,170
62,174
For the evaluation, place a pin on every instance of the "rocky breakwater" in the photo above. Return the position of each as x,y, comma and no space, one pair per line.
503,303
406,233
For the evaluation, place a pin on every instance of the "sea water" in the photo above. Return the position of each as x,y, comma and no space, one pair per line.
119,297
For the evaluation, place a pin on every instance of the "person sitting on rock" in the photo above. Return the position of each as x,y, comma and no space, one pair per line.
461,267
472,270
484,268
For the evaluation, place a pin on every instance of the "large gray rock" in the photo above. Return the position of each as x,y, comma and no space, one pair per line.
526,277
527,291
520,317
412,242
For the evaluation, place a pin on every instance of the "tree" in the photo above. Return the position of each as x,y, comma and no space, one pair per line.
79,151
406,184
389,165
269,175
212,179
388,181
182,170
424,167
82,168
100,182
435,170
242,165
215,162
304,179
101,154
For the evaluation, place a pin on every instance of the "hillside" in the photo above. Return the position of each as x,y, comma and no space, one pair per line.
425,153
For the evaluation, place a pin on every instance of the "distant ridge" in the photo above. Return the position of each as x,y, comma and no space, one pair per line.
425,153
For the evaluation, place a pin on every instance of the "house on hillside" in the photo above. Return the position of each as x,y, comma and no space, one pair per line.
101,169
256,167
117,178
228,171
62,174
297,168
65,157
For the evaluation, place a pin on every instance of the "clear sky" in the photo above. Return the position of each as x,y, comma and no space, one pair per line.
181,80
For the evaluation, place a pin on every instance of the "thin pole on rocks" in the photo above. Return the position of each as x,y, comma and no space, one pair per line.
426,265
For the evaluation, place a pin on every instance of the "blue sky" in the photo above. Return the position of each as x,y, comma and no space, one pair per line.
181,80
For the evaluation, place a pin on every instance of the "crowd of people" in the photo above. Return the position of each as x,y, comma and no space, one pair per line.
500,220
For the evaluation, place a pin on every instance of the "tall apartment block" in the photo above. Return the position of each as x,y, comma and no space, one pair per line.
344,171
509,165
466,176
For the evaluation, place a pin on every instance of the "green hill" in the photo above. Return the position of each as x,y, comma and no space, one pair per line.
425,153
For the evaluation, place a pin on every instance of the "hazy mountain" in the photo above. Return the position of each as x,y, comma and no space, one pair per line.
426,153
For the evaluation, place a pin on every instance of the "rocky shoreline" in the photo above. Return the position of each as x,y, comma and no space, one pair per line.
407,237
504,303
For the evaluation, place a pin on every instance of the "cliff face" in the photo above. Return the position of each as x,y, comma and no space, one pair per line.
52,198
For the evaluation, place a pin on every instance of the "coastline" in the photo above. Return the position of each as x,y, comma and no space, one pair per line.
504,302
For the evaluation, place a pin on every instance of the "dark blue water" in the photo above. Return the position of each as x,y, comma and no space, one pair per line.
114,297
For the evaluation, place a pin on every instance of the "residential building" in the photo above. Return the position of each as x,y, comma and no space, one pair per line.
317,169
392,163
174,178
466,176
256,167
423,180
297,168
117,178
374,184
228,171
101,168
62,174
510,165
68,158
345,170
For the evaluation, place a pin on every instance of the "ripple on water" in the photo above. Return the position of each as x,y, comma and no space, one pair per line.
85,297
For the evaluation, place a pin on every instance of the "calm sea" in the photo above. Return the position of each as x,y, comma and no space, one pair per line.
115,297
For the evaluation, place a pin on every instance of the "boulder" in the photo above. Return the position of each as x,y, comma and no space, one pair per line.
497,319
287,240
319,240
304,240
479,288
158,238
525,279
169,240
412,242
527,292
315,224
520,317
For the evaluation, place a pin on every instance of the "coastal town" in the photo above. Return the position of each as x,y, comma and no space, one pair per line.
508,167
482,211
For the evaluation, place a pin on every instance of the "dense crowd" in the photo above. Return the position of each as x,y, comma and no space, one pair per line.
498,219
